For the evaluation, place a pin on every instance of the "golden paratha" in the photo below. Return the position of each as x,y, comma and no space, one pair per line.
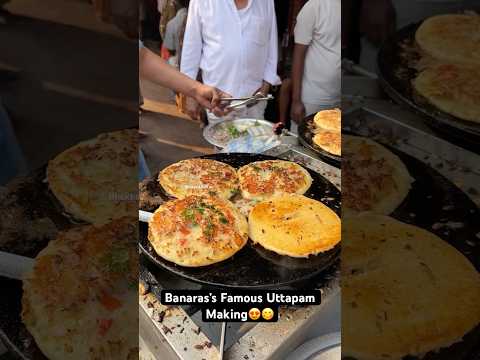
451,88
199,177
452,38
404,290
294,225
94,180
330,141
329,120
78,300
197,231
264,179
373,178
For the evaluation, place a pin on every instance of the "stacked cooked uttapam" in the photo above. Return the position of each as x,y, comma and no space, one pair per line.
373,178
327,131
451,88
451,38
451,79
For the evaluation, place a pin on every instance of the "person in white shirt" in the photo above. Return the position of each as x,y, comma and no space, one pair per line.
174,27
235,45
316,70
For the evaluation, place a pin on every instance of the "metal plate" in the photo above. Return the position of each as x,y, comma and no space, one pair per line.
254,266
210,131
305,136
396,75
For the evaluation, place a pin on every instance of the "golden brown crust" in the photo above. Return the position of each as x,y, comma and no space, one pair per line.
404,290
329,120
451,88
197,231
264,179
199,177
330,141
373,178
94,179
79,296
451,38
294,225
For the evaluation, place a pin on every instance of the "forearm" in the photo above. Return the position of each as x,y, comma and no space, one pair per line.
153,68
297,71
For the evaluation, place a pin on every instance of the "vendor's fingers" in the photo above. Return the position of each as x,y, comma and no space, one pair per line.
221,95
219,111
204,102
278,127
214,101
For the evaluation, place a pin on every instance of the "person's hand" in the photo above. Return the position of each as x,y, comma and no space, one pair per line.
377,20
278,128
298,111
264,89
209,97
192,108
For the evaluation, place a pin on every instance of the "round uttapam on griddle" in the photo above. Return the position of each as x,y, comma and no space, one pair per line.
264,179
79,296
294,225
405,291
199,177
197,231
93,180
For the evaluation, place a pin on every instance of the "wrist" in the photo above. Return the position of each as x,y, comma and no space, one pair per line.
193,91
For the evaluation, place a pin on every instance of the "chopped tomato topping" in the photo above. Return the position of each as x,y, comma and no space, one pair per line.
183,242
109,302
184,230
104,325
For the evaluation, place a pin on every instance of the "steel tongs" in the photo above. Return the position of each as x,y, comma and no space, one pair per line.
248,101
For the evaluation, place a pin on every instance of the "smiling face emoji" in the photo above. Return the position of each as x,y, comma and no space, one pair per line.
267,314
254,313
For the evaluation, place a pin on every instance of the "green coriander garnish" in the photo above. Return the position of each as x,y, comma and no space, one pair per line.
234,132
223,220
235,192
117,260
208,232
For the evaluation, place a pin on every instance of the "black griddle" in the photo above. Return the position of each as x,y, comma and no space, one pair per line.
305,136
434,200
395,73
37,201
253,266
